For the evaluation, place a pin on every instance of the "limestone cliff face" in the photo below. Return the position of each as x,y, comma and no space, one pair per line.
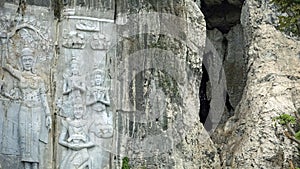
155,55
272,88
150,54
162,51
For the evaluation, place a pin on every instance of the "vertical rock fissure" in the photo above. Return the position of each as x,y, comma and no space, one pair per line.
225,33
225,44
54,125
204,101
115,11
56,5
57,8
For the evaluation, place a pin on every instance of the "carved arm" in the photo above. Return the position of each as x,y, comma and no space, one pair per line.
14,72
63,135
85,145
91,99
80,87
45,105
107,134
66,88
106,99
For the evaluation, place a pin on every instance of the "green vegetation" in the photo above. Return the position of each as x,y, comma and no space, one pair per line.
125,163
292,124
291,21
285,119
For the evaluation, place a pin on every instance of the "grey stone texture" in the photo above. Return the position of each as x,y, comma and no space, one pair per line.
121,79
26,56
93,71
83,85
230,49
272,64
158,118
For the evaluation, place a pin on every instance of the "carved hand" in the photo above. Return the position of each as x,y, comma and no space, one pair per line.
96,98
74,146
100,96
75,86
79,146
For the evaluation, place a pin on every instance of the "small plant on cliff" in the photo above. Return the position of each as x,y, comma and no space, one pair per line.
290,22
125,163
292,124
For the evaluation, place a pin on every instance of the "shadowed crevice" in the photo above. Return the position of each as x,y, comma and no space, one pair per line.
204,101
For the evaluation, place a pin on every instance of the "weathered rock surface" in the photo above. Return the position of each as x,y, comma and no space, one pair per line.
272,89
230,48
176,85
121,79
24,97
110,92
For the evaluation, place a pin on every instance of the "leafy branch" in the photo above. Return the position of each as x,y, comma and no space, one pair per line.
292,124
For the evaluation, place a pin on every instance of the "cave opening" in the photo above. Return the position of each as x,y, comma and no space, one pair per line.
226,34
221,14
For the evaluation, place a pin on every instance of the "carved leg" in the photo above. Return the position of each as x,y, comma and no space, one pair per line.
34,165
27,165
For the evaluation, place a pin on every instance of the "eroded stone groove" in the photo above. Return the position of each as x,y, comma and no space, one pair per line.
204,100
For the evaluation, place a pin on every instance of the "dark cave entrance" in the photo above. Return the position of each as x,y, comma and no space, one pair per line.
226,34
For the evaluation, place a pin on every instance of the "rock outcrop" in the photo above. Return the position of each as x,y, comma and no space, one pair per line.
150,39
123,79
272,88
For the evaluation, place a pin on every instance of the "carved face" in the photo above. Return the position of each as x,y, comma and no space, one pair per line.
74,69
27,62
99,79
78,111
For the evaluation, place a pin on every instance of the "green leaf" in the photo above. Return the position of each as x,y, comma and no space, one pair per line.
283,119
297,135
125,163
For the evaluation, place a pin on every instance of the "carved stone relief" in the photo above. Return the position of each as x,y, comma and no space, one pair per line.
26,53
74,40
105,106
87,25
83,79
100,42
74,136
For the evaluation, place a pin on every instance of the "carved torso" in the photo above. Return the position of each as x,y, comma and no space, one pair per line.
74,79
31,87
95,93
77,131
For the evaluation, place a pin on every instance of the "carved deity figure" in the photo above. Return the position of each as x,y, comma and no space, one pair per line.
101,129
98,100
74,85
74,136
34,114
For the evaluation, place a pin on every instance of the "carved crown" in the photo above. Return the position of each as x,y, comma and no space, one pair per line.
26,52
97,70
